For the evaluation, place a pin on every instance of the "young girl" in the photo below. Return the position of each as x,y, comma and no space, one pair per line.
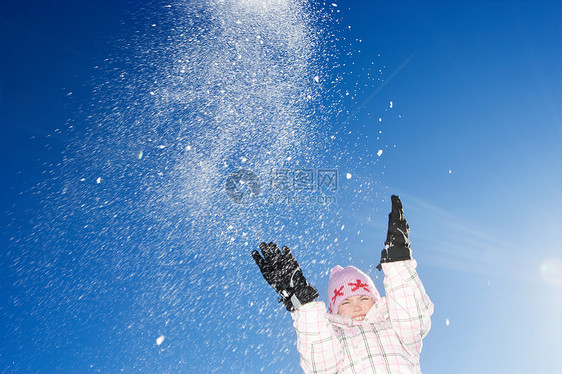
361,332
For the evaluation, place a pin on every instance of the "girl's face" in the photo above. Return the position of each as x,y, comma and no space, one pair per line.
356,307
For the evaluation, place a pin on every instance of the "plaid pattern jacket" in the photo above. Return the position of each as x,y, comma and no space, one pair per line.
388,340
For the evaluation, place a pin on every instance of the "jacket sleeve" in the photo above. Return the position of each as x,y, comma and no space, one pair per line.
409,306
319,348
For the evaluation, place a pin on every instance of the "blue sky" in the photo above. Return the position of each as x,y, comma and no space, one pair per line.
94,271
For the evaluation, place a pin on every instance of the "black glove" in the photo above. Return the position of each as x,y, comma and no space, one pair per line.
397,245
282,271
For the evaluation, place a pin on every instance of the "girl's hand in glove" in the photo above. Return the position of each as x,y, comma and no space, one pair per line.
282,271
397,244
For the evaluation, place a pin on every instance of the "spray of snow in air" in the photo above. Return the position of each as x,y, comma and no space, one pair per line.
138,221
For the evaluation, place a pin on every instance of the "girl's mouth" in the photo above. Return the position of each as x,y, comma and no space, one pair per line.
359,318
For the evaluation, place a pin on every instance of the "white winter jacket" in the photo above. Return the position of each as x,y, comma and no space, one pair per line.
388,340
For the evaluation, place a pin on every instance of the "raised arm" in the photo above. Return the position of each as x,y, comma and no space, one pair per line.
318,346
409,306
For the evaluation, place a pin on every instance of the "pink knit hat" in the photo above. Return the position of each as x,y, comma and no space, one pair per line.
348,282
